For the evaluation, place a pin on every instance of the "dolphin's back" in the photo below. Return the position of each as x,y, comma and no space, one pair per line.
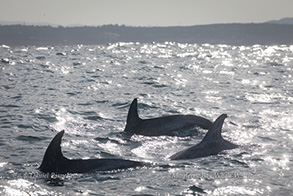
82,166
171,125
166,125
55,162
197,151
212,143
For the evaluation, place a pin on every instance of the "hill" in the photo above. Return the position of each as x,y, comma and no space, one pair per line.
282,21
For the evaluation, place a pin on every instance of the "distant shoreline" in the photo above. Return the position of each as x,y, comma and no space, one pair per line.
230,34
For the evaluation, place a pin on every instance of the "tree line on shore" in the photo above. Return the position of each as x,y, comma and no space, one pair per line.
231,34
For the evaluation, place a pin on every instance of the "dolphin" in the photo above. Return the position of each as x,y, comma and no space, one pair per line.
166,125
55,162
212,143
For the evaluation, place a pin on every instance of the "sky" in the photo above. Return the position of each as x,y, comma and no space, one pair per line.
143,12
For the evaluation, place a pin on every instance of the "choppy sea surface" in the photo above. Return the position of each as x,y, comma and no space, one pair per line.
87,91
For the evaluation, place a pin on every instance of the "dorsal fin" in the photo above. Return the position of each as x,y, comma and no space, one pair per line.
132,117
215,131
53,154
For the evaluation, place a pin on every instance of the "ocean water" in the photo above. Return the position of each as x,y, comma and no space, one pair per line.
87,91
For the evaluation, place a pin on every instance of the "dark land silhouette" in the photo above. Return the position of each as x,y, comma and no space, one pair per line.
231,34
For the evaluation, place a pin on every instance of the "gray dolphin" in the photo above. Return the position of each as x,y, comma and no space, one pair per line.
212,143
55,162
166,125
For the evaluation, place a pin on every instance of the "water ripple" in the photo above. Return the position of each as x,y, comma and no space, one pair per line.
87,91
